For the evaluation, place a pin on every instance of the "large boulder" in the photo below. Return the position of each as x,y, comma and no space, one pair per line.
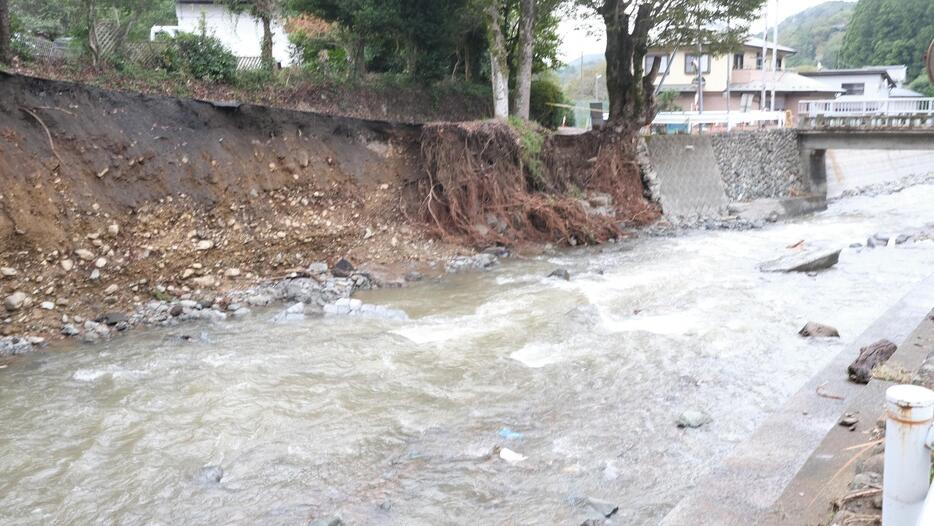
805,261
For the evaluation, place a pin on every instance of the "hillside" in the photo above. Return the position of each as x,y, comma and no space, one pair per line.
817,33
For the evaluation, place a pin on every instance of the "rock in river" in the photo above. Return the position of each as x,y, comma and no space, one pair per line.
560,274
15,301
693,418
210,474
817,330
807,261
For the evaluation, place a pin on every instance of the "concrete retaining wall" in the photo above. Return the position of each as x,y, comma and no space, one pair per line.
699,174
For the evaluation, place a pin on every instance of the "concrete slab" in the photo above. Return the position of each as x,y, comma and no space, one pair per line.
743,489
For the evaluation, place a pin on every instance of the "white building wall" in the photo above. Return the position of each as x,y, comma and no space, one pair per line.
876,86
241,33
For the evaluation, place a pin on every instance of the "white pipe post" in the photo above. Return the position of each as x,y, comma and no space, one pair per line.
909,412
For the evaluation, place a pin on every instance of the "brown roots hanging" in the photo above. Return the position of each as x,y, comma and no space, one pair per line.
489,182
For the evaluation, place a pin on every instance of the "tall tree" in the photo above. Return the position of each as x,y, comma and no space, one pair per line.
5,52
632,26
524,67
265,11
499,66
884,32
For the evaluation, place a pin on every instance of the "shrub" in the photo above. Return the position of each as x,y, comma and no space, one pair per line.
200,56
318,55
922,85
544,94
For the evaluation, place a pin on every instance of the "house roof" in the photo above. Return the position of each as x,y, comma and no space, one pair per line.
757,42
883,71
785,82
904,92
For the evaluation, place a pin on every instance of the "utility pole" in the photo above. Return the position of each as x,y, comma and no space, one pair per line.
774,54
765,44
700,70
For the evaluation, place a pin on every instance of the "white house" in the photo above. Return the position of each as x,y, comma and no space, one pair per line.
872,82
240,32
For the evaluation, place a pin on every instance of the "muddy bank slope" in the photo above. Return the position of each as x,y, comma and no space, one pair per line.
109,199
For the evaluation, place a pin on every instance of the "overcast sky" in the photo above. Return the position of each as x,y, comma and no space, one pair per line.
577,40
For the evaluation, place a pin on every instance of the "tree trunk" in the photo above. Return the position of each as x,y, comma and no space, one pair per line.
358,56
266,50
5,52
93,44
526,47
630,88
499,68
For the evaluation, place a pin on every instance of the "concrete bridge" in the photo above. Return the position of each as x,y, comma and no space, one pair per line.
885,124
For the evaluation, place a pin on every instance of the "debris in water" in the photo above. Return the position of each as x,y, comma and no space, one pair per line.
870,357
511,456
509,434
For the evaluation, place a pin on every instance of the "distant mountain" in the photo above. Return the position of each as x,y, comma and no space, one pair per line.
817,33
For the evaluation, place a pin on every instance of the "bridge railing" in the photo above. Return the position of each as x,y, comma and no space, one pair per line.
867,113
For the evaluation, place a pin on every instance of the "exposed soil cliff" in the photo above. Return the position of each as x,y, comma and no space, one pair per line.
109,198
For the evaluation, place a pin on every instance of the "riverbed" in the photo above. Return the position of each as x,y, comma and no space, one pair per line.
387,421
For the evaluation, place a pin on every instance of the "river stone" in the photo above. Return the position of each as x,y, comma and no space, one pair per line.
15,301
70,330
67,265
84,254
327,521
113,318
607,509
560,274
817,330
860,371
807,261
204,244
342,269
8,272
693,419
210,474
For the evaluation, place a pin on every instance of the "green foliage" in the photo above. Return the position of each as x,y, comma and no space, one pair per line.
544,94
318,55
531,144
922,85
817,34
666,101
199,56
884,32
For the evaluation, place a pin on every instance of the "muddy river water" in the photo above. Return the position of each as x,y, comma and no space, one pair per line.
383,421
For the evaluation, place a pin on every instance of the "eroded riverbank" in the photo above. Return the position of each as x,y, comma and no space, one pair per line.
395,421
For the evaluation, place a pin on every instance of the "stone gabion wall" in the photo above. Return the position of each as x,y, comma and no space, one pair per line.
759,164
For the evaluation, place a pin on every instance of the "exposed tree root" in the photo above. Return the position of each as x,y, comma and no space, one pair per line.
480,184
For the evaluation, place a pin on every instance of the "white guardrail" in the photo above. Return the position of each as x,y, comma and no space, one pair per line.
906,499
916,112
730,119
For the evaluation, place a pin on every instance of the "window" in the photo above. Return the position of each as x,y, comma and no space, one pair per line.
663,65
778,64
690,64
854,88
738,60
759,60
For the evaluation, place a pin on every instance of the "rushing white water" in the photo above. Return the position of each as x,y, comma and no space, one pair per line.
394,422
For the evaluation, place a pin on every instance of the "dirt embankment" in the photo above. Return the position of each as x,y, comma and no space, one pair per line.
110,199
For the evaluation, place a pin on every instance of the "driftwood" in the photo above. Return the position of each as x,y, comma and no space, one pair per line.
860,370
